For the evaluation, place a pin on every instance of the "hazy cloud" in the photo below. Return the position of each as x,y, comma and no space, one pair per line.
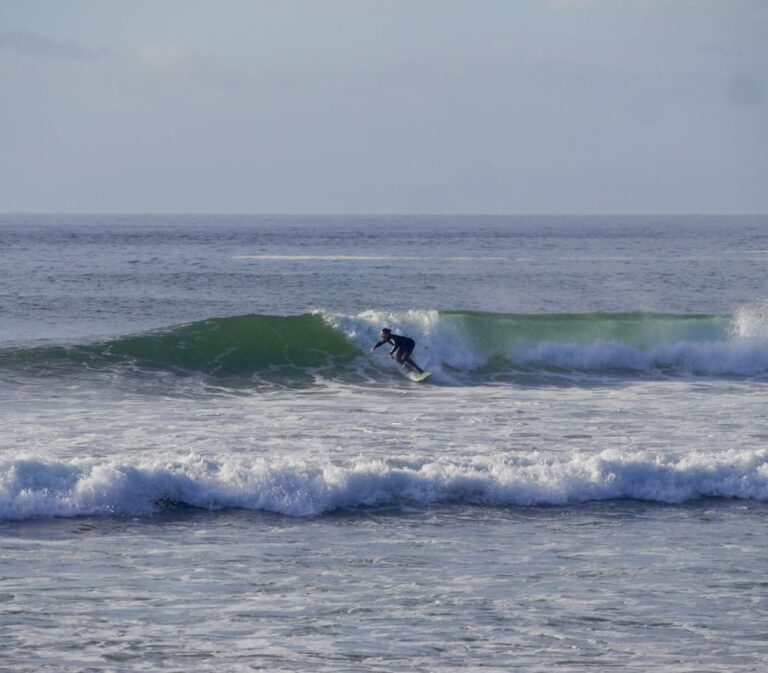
571,4
164,57
717,50
746,91
40,45
386,106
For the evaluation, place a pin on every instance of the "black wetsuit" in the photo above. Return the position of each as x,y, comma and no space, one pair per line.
403,345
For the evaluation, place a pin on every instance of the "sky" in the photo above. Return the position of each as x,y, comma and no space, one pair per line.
384,106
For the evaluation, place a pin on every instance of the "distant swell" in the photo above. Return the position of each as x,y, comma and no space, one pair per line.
38,488
459,347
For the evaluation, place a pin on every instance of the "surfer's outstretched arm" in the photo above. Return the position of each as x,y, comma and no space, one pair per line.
381,343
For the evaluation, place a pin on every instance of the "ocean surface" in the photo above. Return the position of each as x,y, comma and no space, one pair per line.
204,468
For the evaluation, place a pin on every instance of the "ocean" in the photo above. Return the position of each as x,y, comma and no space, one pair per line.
204,468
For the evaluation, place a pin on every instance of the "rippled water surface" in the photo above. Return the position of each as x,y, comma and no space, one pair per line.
203,467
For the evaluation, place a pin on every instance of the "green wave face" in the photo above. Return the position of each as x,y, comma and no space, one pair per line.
237,346
242,345
495,332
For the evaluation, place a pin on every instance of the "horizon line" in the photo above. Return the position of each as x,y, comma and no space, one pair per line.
380,214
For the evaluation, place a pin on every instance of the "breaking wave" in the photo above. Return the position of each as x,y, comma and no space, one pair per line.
457,346
37,488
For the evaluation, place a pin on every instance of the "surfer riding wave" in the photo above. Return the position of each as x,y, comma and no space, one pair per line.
402,348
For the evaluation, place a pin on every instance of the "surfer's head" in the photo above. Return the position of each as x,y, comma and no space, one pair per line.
385,332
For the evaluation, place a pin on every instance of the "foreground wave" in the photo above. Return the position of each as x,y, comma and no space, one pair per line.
457,346
36,488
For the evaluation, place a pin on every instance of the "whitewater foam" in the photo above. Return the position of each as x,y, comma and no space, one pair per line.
647,343
38,488
743,357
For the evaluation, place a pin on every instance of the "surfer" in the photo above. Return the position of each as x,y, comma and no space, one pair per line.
402,348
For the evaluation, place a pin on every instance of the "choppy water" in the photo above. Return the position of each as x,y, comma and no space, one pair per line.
203,468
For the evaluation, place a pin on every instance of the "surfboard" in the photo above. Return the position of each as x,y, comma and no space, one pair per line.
418,378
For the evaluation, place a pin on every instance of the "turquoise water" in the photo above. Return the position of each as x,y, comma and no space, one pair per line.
203,467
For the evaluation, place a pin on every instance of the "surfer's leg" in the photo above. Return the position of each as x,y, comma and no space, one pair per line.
410,363
418,369
402,358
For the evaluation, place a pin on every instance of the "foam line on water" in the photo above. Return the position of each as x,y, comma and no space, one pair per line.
368,258
39,488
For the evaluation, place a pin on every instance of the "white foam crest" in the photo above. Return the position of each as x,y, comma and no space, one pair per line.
742,357
37,488
751,323
440,340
